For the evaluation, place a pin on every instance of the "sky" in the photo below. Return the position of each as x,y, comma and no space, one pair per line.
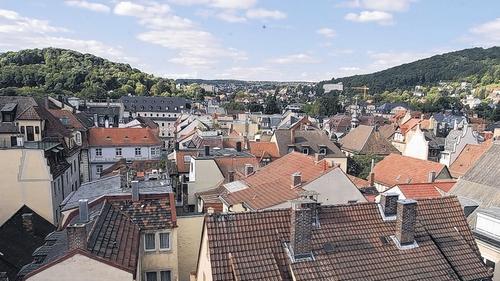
283,40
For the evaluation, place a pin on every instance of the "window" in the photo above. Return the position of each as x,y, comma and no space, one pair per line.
37,130
98,152
153,151
30,133
137,151
165,275
151,276
118,151
164,241
149,242
305,150
22,130
98,169
322,150
187,159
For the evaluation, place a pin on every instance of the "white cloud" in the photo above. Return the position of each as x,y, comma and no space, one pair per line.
327,32
194,47
18,32
295,59
265,14
487,33
96,7
127,8
232,4
384,60
380,5
230,16
379,17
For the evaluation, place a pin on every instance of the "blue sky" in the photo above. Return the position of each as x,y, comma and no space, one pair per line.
307,40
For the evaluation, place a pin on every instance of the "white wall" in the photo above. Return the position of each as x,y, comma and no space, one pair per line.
204,175
416,146
81,268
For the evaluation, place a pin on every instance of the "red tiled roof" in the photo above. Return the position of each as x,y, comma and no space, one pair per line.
398,169
271,185
240,244
408,125
359,182
263,149
468,157
426,190
123,137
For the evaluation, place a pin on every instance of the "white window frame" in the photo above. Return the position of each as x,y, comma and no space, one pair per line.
138,149
98,152
120,150
155,246
169,241
97,168
158,274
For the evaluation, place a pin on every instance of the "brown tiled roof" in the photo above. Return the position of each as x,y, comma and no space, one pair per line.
73,120
235,164
181,166
123,137
149,214
115,237
263,149
397,169
242,244
426,190
359,182
271,185
468,157
367,140
122,167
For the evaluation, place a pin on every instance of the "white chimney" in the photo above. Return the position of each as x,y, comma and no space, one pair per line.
83,210
135,191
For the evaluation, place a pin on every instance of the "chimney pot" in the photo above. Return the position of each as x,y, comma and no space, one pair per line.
432,176
405,221
389,203
371,179
248,170
83,210
28,222
296,179
135,191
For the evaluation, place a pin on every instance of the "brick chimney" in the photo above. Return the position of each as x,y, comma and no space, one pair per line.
77,236
389,203
230,175
432,176
300,230
405,221
135,191
296,179
28,222
248,170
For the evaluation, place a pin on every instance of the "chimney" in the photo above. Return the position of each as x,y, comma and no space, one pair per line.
135,191
230,176
238,146
389,203
83,210
432,176
248,170
210,210
176,146
371,179
300,230
28,222
296,179
405,221
96,122
77,236
207,150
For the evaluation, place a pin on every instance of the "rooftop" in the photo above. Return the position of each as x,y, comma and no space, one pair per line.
103,137
242,243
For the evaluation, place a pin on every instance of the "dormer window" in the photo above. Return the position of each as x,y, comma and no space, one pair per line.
291,148
305,150
322,149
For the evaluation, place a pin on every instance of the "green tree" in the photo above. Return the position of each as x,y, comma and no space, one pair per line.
271,105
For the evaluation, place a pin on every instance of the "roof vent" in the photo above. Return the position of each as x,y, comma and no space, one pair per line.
328,247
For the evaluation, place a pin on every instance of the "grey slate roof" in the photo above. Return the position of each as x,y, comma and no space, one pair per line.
111,186
155,104
481,182
311,138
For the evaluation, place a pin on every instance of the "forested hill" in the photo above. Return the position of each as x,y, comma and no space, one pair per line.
60,71
475,65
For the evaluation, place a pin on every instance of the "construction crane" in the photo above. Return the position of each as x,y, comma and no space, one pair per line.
363,88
